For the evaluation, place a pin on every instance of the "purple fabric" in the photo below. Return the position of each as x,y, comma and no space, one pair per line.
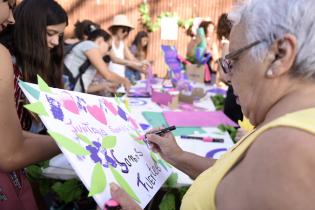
197,119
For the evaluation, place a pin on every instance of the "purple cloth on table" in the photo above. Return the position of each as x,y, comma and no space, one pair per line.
217,91
196,119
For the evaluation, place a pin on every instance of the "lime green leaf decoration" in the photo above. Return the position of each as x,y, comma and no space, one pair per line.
153,157
109,142
124,184
85,139
98,182
43,85
68,144
127,105
136,138
35,93
117,99
37,108
161,162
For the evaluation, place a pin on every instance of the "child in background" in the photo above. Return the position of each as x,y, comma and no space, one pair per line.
139,48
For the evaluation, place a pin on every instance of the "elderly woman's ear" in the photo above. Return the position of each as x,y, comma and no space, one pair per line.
283,53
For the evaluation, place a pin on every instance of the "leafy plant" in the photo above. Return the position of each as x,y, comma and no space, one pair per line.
218,101
144,10
231,130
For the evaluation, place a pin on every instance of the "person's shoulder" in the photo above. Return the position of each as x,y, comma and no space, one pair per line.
283,141
85,46
280,166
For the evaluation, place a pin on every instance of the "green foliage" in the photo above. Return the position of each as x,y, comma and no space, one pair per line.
231,130
69,190
172,198
172,180
66,192
168,202
218,101
144,10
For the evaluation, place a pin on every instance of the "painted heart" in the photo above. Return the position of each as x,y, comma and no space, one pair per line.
97,113
71,106
133,122
122,113
110,107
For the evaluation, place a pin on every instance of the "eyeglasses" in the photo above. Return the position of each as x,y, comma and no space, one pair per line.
226,63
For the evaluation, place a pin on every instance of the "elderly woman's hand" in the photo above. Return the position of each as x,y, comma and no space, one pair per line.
123,198
165,145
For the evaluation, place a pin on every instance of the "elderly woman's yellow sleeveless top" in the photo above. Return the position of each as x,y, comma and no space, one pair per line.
201,195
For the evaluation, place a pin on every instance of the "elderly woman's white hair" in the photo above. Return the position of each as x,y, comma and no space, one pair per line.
271,19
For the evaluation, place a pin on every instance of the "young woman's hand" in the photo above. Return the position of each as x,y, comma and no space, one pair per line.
124,200
127,85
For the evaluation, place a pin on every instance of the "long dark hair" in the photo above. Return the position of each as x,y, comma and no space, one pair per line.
30,40
205,24
83,28
137,42
94,34
224,27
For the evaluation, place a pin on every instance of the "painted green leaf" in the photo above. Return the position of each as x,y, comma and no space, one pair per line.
134,137
43,85
68,144
109,142
98,181
35,93
162,164
124,184
84,138
117,99
153,157
37,108
127,105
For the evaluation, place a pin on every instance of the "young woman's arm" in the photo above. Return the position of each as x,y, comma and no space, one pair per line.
97,61
131,63
18,149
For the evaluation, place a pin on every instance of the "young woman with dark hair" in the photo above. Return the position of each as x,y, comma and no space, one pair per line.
139,48
38,31
81,31
94,49
37,40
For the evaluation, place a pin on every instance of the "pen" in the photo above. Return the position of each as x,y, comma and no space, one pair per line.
165,130
159,133
206,139
112,205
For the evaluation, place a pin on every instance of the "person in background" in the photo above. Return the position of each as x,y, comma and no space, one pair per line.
94,49
120,54
231,108
271,65
81,31
43,21
208,27
139,49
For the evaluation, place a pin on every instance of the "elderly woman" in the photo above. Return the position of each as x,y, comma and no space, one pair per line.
271,66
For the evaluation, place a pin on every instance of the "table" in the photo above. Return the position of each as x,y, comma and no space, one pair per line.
59,168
